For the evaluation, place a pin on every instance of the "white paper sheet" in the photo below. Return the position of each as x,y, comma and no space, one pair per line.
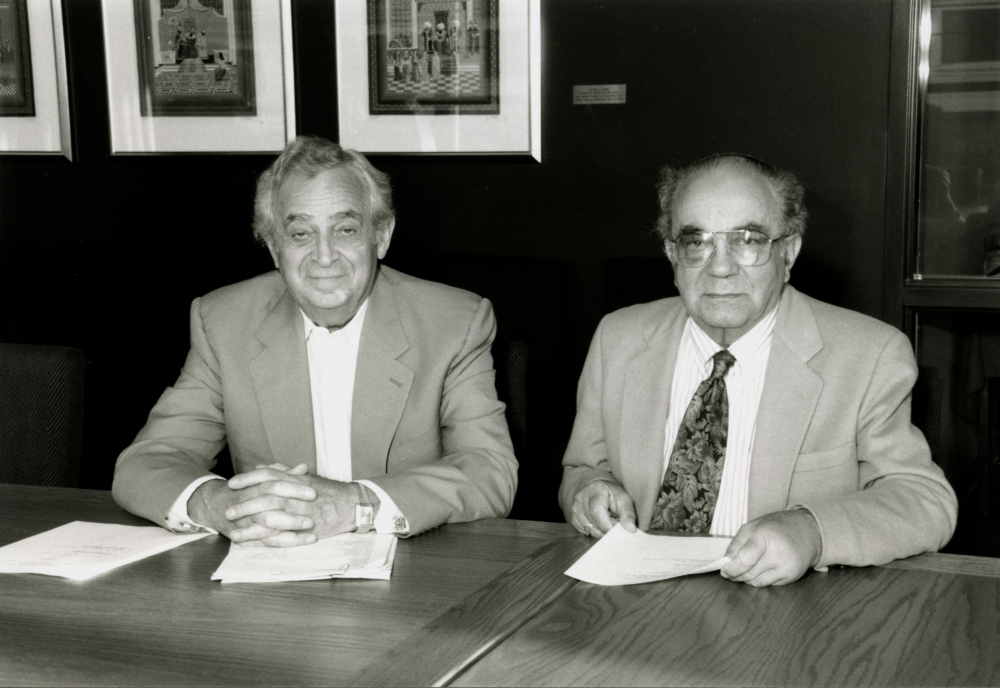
81,550
350,555
624,558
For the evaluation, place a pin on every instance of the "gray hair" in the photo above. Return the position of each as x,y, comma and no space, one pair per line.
785,185
306,157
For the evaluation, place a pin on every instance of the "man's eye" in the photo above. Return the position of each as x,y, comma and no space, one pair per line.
348,231
692,241
754,239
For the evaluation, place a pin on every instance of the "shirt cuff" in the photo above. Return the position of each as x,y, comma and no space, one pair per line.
389,518
178,520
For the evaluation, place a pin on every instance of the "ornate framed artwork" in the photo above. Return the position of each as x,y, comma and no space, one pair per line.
439,76
16,96
199,76
34,99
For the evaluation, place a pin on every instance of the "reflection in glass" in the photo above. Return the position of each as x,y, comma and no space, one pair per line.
959,195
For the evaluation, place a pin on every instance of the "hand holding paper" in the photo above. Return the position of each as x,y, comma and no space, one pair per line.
601,504
624,558
775,549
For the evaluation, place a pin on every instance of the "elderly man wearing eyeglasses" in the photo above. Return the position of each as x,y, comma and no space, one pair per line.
747,409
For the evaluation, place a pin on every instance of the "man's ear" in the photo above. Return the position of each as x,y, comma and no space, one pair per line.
792,247
670,249
384,237
274,252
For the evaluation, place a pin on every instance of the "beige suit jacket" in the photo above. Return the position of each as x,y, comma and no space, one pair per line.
426,424
833,428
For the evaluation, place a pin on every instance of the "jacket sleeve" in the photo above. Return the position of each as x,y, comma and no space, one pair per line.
476,475
586,458
904,506
184,432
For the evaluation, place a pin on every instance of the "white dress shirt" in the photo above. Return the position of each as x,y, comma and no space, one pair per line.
333,359
744,384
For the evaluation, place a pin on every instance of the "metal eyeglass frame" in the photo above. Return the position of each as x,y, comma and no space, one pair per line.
729,250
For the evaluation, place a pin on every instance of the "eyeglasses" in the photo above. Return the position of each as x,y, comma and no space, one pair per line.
748,247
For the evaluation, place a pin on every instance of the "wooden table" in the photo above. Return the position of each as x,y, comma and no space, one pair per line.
485,603
162,621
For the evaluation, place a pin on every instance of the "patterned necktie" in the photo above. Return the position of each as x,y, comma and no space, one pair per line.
694,473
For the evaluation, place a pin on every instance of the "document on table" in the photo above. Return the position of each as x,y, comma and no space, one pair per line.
351,555
81,550
624,558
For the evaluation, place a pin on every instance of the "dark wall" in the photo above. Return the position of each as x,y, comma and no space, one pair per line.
105,253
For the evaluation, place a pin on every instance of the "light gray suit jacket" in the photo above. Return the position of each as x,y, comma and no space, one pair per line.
833,428
426,424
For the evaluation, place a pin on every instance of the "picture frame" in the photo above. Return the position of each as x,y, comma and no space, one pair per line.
34,93
439,77
199,76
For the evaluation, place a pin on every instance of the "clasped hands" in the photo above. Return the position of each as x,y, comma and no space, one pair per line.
775,549
276,506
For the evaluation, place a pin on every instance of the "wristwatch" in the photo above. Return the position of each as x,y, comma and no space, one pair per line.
364,512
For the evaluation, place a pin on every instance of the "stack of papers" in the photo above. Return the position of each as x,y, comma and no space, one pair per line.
624,558
81,550
350,555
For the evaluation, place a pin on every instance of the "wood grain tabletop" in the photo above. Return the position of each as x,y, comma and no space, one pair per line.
484,603
931,622
162,621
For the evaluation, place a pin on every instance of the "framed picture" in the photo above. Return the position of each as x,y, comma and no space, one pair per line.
16,96
34,99
199,76
439,76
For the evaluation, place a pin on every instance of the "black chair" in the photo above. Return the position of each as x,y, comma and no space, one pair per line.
926,406
41,414
511,362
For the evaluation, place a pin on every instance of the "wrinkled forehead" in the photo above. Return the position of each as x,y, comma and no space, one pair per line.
724,198
338,187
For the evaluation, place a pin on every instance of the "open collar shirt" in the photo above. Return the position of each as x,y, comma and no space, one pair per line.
333,361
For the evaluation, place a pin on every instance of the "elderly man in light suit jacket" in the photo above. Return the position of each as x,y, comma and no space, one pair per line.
352,396
810,458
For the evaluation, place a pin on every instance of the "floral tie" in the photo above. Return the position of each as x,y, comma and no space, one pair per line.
691,484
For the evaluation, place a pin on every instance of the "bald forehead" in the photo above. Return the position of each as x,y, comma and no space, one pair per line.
724,193
734,173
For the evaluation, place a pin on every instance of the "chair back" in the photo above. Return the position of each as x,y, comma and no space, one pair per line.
41,414
511,362
925,410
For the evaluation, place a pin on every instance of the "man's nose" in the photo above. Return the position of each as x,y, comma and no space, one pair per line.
325,252
721,264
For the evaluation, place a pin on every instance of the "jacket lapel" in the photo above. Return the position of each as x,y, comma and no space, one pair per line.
788,400
646,398
381,383
280,373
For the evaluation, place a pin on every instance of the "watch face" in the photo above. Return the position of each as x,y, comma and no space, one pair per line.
364,517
